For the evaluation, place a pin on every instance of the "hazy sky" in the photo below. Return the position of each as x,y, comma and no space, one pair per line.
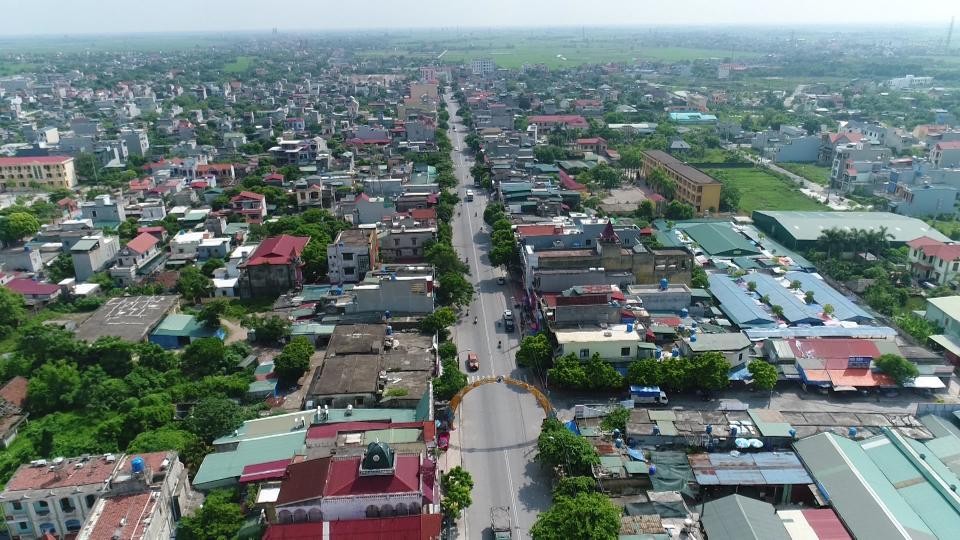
122,16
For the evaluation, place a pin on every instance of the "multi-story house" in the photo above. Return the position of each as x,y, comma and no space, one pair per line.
103,209
354,253
405,244
92,254
924,200
45,171
96,497
859,165
252,206
934,261
300,151
482,66
274,267
137,141
945,154
135,257
694,187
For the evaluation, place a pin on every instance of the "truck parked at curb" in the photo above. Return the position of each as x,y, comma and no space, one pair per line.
648,395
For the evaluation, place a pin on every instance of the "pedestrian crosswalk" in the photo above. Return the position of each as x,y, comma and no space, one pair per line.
476,378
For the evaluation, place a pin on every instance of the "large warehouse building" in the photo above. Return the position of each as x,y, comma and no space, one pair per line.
800,230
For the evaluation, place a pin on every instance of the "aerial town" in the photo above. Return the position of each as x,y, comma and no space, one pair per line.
580,283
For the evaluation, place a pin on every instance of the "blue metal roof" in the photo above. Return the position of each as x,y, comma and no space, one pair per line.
742,309
862,332
795,310
843,308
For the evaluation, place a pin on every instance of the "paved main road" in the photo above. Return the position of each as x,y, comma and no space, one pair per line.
498,424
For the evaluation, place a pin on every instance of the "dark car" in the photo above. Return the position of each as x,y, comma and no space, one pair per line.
473,363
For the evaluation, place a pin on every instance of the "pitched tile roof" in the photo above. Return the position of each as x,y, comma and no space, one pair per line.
949,145
304,481
343,478
15,391
142,243
278,250
34,160
133,511
418,527
248,195
31,287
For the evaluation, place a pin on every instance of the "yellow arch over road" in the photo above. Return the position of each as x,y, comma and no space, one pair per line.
542,399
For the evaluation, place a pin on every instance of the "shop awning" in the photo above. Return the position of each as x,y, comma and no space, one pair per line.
925,382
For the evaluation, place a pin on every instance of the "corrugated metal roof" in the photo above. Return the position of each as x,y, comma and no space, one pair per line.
879,332
736,517
770,423
795,310
667,428
740,307
719,239
844,308
808,226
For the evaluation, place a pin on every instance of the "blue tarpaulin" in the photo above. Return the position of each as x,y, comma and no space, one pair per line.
635,454
572,426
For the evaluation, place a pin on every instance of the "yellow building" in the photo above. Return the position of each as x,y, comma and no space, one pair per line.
694,187
46,171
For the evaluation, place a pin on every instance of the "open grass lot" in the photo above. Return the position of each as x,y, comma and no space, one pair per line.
760,190
11,68
813,173
556,50
240,65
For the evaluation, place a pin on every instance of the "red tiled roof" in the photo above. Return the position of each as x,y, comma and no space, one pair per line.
15,391
248,195
343,478
271,470
859,377
851,137
949,145
134,510
304,481
273,176
94,472
143,242
278,250
828,349
216,167
418,527
568,182
538,230
34,160
423,213
935,248
572,120
152,229
591,140
31,287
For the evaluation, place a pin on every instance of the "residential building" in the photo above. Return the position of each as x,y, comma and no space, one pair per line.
934,261
344,488
13,399
686,118
93,254
924,200
618,344
943,155
909,81
104,210
138,144
397,289
252,206
694,187
352,255
595,303
547,122
35,293
597,145
482,66
90,497
213,248
944,312
135,258
311,151
46,171
405,244
274,268
734,346
859,165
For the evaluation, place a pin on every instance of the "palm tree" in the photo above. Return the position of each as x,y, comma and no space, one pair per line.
777,310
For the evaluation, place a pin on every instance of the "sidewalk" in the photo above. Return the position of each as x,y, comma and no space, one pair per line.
448,460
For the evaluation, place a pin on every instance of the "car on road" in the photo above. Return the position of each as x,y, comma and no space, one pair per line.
473,363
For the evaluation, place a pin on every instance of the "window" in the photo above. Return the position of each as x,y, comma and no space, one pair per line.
23,525
625,351
16,506
90,500
66,504
349,271
348,256
358,401
955,266
413,241
41,508
584,353
396,241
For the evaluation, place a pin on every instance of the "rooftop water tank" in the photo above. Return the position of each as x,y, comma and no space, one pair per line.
852,432
137,465
664,284
629,327
652,470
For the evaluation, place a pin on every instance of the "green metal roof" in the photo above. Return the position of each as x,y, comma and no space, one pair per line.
807,226
393,436
262,387
718,239
312,329
85,244
768,428
176,324
736,517
224,466
613,464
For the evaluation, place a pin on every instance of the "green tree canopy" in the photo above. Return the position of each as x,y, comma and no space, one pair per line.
193,285
763,373
616,419
54,386
587,516
293,362
558,446
451,381
456,485
214,417
897,367
17,226
438,321
269,330
13,311
219,518
535,351
205,356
